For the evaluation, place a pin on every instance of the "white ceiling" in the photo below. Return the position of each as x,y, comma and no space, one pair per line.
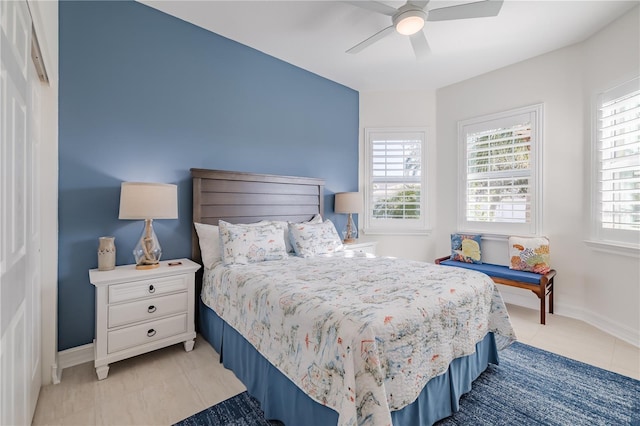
314,35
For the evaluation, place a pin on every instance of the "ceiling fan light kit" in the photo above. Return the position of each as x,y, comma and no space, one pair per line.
410,19
409,22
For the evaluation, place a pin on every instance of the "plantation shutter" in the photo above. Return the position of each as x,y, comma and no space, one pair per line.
396,176
499,171
500,164
619,157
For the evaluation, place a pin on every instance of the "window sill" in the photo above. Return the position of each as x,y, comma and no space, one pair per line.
409,232
622,249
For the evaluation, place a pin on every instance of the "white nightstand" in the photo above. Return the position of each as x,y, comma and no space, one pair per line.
138,311
368,247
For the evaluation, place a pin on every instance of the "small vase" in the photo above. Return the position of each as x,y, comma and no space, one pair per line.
106,254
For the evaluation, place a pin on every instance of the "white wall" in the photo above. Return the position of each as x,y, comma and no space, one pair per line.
599,288
553,79
401,109
612,285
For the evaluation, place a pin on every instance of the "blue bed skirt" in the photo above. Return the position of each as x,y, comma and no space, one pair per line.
282,400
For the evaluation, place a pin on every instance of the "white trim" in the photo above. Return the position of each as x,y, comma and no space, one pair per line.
616,329
593,177
45,22
76,356
519,297
427,210
495,237
378,231
601,239
620,249
55,374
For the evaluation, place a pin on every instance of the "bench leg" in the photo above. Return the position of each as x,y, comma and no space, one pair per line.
542,297
551,297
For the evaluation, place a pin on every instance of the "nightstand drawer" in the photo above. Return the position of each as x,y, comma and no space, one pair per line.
146,288
147,309
144,333
368,247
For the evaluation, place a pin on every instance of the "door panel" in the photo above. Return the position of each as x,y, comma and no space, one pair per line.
20,315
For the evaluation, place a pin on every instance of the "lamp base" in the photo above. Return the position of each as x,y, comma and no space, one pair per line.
148,251
154,266
351,233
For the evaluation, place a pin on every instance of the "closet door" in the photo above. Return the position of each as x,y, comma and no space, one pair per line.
20,314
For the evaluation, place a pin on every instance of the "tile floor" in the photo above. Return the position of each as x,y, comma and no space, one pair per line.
168,385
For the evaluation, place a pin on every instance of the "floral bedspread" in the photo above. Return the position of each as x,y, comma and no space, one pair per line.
361,335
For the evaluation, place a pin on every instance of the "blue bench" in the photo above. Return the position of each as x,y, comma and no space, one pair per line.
541,285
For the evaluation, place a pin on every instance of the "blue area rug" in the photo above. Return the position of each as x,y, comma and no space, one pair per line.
536,387
240,410
529,387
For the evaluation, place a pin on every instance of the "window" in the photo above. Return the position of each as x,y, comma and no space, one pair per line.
500,163
395,181
617,162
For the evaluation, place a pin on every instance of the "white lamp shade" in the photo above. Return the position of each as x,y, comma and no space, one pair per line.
348,202
145,200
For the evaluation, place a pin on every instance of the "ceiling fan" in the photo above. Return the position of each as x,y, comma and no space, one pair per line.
410,18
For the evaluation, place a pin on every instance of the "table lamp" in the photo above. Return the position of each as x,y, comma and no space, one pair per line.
349,202
148,201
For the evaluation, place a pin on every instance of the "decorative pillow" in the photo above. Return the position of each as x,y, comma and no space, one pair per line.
315,219
310,239
529,254
285,230
250,243
466,248
209,239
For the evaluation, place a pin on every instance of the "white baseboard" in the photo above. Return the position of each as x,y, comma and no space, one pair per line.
520,297
85,353
529,300
616,329
55,374
75,356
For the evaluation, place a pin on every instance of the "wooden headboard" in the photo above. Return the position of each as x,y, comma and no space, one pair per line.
237,197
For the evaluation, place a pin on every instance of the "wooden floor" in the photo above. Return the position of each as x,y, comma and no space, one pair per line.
169,385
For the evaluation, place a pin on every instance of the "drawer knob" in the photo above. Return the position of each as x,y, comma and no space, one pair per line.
152,289
151,333
151,309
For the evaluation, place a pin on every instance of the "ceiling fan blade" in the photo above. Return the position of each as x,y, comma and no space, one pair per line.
375,7
420,46
480,9
368,42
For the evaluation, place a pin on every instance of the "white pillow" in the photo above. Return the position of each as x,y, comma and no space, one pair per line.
285,228
209,239
310,239
250,243
315,219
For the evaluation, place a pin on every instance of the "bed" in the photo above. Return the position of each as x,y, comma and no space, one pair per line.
335,338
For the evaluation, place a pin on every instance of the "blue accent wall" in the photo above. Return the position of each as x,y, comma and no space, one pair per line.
145,97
